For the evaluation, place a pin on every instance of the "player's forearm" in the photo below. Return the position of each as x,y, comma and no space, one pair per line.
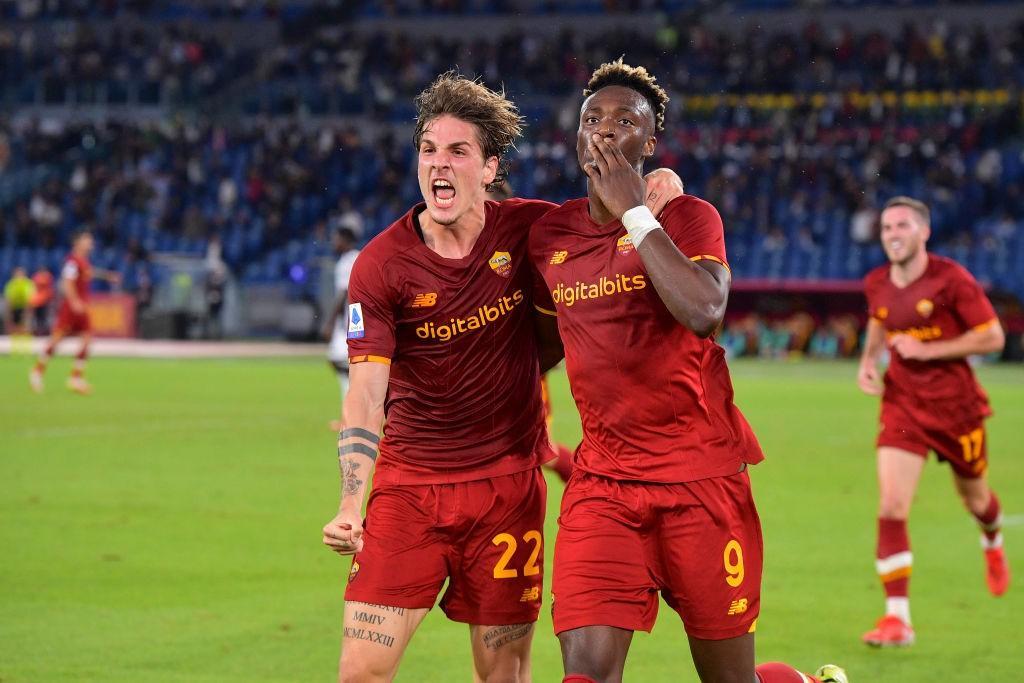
358,446
874,343
989,339
693,295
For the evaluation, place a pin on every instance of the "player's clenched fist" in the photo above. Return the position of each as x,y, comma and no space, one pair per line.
344,533
868,379
618,185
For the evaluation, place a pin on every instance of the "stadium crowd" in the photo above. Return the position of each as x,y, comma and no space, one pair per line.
797,173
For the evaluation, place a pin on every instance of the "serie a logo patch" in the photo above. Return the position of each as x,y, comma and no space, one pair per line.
501,263
356,324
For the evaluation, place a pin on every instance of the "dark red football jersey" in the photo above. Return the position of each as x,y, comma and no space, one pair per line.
464,395
78,270
655,399
943,303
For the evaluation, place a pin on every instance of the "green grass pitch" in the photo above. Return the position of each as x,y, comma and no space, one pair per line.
167,528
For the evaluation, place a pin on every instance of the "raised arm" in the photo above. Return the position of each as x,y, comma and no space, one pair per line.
695,292
358,446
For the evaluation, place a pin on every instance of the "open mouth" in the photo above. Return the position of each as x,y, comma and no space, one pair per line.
444,193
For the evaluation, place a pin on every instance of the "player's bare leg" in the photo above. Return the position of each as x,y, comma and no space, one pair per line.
501,654
597,653
724,661
76,382
374,639
982,502
898,474
35,376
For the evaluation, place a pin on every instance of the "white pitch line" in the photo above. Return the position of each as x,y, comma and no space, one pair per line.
1013,520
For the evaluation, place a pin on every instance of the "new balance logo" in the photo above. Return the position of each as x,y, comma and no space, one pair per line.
530,594
738,606
424,300
558,257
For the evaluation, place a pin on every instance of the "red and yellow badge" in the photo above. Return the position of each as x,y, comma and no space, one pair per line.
882,313
352,572
925,307
624,245
501,263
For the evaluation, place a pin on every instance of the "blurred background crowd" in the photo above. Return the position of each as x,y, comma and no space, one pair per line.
231,138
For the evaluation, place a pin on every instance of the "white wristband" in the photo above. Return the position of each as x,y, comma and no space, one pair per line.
638,222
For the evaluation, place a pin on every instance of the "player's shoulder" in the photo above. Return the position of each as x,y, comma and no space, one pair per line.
689,208
389,243
876,276
565,211
948,269
526,209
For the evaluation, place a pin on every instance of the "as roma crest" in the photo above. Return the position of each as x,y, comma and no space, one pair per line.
501,263
624,245
353,572
882,313
925,307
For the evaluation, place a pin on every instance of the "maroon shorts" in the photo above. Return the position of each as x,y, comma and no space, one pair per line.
965,448
486,537
70,322
621,543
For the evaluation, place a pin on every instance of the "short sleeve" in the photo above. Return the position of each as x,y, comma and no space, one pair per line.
970,304
69,271
371,315
542,300
696,228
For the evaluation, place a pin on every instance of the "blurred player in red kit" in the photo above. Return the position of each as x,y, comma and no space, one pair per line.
659,499
441,341
73,314
932,315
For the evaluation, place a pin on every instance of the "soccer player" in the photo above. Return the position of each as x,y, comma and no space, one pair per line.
441,340
73,315
659,499
18,293
343,242
932,315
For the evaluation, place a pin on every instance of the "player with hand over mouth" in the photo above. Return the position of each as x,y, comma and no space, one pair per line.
659,499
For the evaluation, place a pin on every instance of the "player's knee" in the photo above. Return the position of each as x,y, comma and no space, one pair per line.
601,666
894,506
512,668
975,501
358,668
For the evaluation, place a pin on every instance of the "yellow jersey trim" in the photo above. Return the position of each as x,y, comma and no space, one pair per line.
709,257
370,359
545,311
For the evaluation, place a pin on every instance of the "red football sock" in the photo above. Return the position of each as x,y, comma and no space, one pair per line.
563,465
777,672
577,678
893,558
990,520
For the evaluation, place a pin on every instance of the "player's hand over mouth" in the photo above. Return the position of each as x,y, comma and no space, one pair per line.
618,185
344,533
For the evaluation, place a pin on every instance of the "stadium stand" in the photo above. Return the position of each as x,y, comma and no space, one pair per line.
797,134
